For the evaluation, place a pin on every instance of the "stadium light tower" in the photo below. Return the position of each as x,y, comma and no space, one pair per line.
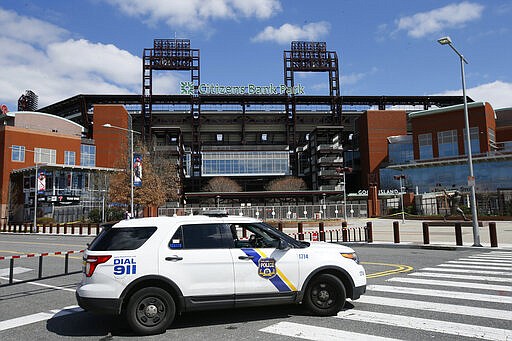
471,177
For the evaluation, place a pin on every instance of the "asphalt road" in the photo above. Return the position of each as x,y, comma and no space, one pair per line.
413,294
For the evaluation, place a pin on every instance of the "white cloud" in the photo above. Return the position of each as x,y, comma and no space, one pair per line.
497,93
28,30
288,32
437,20
194,14
55,67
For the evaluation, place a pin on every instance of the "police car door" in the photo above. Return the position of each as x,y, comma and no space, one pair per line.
260,266
198,260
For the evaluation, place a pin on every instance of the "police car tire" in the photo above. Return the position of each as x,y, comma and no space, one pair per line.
150,311
325,295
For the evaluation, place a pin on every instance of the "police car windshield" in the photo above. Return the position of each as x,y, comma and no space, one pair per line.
273,231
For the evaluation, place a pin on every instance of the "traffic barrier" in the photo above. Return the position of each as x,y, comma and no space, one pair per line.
493,236
458,234
426,235
347,234
40,276
73,229
300,228
396,232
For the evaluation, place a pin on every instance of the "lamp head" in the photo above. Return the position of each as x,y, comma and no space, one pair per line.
107,125
444,40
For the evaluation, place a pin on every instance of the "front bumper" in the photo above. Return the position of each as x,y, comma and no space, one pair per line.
358,291
110,306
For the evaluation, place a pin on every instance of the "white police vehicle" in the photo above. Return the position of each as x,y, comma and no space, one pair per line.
150,269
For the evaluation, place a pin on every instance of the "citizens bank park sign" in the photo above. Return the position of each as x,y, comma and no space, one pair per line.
187,88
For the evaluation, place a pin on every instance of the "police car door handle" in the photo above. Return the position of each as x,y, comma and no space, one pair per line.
174,258
245,257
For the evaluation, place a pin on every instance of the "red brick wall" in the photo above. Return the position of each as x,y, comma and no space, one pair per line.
481,117
375,126
30,139
112,145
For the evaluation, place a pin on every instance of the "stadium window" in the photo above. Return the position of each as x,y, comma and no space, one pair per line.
18,153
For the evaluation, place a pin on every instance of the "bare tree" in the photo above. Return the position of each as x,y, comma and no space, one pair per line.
288,183
159,184
222,184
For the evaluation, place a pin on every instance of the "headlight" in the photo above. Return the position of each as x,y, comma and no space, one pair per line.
352,256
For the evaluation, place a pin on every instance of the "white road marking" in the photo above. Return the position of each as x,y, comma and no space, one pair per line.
473,266
498,273
437,307
16,271
458,276
504,266
441,293
436,326
43,316
309,332
486,260
41,284
470,285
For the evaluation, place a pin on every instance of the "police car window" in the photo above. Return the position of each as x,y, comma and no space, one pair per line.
126,238
206,236
255,236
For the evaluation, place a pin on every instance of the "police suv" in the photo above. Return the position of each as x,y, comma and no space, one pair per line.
150,269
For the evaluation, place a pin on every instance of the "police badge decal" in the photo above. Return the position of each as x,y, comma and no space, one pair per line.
267,268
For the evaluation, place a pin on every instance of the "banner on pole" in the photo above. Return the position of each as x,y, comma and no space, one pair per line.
137,170
41,183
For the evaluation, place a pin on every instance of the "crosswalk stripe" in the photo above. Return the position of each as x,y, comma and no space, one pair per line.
309,332
471,266
38,317
452,328
486,260
437,307
458,276
483,272
15,270
504,256
441,293
504,266
471,285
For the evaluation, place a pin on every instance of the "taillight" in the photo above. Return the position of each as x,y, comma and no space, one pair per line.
92,262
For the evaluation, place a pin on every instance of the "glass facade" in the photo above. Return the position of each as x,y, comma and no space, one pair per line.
490,175
425,146
18,153
475,140
44,155
69,157
87,155
447,143
245,163
401,151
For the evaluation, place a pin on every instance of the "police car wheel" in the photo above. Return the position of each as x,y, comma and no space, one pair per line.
150,311
325,295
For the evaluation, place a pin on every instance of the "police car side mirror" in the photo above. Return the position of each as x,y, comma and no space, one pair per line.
283,245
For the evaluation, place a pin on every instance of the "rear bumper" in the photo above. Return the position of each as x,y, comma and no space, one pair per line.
358,291
110,306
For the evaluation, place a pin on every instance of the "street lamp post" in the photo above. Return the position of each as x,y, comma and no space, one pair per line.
108,125
471,178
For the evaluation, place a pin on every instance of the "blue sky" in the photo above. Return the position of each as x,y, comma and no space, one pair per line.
62,48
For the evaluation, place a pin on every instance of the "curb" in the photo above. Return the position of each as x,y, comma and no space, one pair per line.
426,246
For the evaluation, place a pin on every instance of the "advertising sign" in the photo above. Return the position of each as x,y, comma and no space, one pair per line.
137,170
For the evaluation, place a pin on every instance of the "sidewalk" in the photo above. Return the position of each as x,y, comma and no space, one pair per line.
411,232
